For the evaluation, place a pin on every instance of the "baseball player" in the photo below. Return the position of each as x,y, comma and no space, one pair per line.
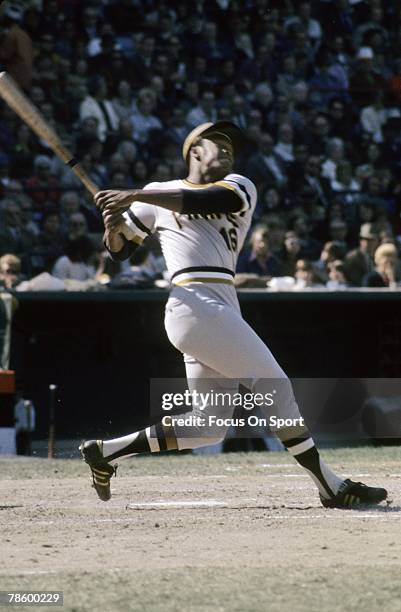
202,223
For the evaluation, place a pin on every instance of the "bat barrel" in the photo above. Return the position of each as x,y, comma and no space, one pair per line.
19,102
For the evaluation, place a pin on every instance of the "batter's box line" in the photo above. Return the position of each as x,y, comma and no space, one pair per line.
227,504
247,504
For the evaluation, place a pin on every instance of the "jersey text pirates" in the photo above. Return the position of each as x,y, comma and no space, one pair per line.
196,247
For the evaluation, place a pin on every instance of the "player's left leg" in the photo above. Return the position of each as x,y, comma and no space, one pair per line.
165,436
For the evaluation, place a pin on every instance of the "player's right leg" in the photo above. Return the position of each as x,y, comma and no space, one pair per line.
217,336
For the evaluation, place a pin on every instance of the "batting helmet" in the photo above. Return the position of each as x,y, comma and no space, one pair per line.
226,128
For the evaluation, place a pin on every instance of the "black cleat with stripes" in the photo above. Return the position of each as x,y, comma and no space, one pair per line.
354,495
101,470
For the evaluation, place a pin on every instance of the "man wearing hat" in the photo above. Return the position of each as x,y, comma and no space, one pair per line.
365,81
16,52
202,222
359,262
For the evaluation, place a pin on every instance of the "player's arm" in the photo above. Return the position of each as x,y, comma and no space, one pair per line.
218,198
125,231
119,247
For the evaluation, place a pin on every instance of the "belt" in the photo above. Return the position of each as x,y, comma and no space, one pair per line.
203,274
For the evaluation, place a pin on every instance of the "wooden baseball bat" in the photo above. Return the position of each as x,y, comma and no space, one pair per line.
28,112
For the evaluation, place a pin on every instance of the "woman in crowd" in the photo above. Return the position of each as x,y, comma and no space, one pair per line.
387,268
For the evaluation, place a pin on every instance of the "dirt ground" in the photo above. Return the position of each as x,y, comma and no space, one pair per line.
233,532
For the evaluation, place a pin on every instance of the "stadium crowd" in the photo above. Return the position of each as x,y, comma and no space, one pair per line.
315,85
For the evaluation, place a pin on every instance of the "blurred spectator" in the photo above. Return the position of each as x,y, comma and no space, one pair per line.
49,244
123,103
337,276
42,187
88,132
22,161
262,99
90,21
69,204
359,262
290,254
15,238
332,251
304,19
210,46
338,232
269,201
301,224
324,84
51,236
372,25
10,271
160,174
287,76
177,130
77,263
284,146
341,125
204,111
266,167
258,259
387,268
277,228
371,163
374,116
365,81
128,150
305,276
313,179
142,61
238,111
16,52
344,181
318,135
110,62
335,153
77,226
98,105
30,220
145,122
140,174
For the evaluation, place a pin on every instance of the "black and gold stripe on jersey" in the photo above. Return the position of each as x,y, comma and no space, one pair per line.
203,274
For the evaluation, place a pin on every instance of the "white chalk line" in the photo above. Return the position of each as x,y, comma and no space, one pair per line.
384,515
29,573
357,514
20,573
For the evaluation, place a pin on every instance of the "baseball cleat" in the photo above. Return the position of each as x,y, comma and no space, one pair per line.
101,470
353,494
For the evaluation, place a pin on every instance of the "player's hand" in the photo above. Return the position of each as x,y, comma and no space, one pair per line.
114,200
113,221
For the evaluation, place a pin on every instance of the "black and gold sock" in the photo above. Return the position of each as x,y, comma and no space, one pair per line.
154,439
304,451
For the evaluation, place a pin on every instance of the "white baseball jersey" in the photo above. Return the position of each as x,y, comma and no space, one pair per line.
196,247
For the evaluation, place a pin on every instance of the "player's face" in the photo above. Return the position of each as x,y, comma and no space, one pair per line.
216,157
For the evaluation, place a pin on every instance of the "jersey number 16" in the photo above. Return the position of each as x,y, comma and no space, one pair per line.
230,238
